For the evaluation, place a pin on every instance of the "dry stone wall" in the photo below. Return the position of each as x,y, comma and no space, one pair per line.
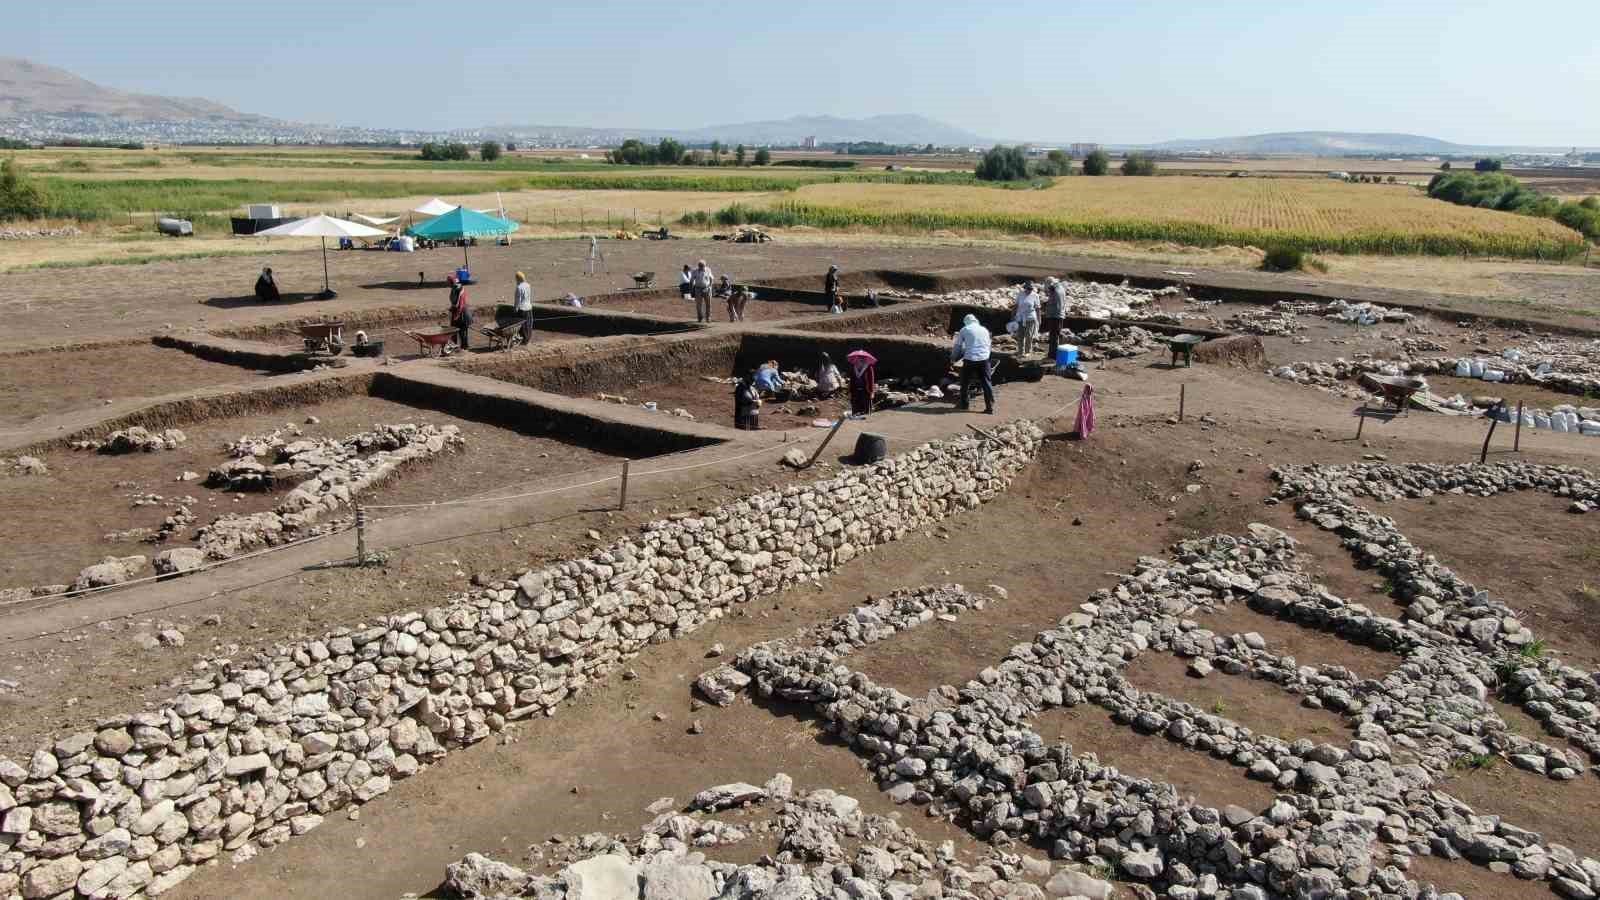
259,749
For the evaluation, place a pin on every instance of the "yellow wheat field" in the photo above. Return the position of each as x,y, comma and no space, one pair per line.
1313,214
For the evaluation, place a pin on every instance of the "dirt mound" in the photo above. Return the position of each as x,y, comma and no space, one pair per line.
1242,350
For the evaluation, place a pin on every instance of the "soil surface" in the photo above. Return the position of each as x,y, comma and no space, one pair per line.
673,306
33,384
1524,549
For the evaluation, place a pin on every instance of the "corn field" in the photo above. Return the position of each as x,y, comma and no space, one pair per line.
1313,215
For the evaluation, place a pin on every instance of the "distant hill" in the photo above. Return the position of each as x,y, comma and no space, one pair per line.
30,88
1324,143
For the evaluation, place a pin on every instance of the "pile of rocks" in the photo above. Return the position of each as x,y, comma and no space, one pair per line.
24,465
259,749
29,234
811,831
1275,322
1084,298
1365,313
334,472
1116,341
135,440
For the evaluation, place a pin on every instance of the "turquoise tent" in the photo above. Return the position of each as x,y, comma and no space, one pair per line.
461,223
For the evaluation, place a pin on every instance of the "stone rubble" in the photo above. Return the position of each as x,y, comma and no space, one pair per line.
1348,819
827,848
262,748
135,440
1090,299
334,472
24,465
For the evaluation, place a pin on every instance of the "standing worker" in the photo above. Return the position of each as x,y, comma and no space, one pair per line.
1055,313
746,406
595,256
972,349
460,313
830,286
702,292
1026,319
522,305
863,382
686,283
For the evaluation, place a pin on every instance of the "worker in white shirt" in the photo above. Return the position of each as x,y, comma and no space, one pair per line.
972,349
522,304
701,282
1027,319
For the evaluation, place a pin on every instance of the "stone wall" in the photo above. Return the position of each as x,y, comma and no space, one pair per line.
260,749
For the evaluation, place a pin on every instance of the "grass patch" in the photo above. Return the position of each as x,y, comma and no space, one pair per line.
143,259
188,197
1475,762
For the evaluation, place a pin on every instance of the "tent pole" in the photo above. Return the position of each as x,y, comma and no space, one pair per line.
325,287
465,263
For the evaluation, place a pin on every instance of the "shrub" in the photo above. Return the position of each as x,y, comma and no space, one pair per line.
1445,167
20,197
490,151
810,163
763,157
1097,163
451,150
1284,258
1003,164
1139,164
1056,162
738,155
1486,165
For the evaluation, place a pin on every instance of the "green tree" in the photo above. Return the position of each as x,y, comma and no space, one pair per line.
669,152
20,196
738,155
511,147
763,156
1139,164
1002,164
1057,162
716,153
1097,162
490,151
1486,165
1445,167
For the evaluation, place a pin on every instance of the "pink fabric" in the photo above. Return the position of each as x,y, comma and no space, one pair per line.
1085,421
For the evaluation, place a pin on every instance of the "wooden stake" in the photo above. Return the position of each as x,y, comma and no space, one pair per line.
1483,456
1361,420
1182,393
622,502
1516,442
823,446
361,536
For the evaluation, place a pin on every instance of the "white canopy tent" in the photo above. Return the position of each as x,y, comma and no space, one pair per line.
321,226
374,220
434,207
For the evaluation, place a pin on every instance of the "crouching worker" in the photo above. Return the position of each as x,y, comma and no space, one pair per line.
972,350
746,406
267,286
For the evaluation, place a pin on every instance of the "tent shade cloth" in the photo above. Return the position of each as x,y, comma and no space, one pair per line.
461,222
434,207
322,227
375,220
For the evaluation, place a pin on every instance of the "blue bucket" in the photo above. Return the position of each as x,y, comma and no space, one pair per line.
1066,356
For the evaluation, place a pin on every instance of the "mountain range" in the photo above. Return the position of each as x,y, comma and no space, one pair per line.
41,102
30,88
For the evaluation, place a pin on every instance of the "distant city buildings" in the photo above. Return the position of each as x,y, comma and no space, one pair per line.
809,142
1081,150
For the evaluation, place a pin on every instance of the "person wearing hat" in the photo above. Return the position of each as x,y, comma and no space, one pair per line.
522,305
1026,319
830,286
701,281
460,313
1055,312
971,349
746,406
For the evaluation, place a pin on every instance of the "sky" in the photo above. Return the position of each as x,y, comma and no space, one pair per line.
1057,70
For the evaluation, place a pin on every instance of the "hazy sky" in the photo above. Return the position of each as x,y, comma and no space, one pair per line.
1131,71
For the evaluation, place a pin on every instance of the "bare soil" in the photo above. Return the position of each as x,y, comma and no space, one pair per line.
673,306
711,401
1260,706
88,496
34,384
1525,549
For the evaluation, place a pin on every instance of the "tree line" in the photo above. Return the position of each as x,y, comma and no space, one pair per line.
1012,164
1489,188
668,152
